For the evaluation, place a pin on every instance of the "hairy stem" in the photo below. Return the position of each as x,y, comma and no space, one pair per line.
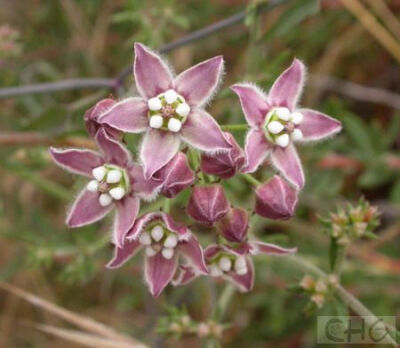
251,179
235,127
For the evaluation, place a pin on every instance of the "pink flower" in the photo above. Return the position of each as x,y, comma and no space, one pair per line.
275,199
163,240
233,264
115,182
276,124
207,204
170,109
234,225
224,164
175,176
92,119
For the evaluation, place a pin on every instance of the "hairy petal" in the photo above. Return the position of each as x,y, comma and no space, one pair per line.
114,151
269,249
86,210
76,161
287,162
244,282
159,272
198,83
128,115
127,210
144,188
193,251
152,74
202,132
256,149
185,275
317,126
158,148
123,254
287,88
254,103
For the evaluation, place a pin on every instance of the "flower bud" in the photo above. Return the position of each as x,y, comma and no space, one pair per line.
234,225
275,199
176,176
225,164
207,204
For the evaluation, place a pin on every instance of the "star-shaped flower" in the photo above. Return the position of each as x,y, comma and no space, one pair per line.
170,109
277,123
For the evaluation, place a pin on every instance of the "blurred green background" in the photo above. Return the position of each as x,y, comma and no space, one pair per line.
353,75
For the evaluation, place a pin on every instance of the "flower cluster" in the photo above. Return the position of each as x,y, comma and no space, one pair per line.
170,112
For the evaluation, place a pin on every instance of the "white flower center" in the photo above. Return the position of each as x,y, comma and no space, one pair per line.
111,182
227,263
158,239
281,126
168,111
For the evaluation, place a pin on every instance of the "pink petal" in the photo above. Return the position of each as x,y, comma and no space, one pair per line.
211,250
287,87
114,152
256,150
224,164
76,161
244,282
270,249
159,272
202,132
316,125
126,213
276,199
207,204
152,74
146,189
254,103
193,251
184,275
157,149
287,162
199,83
234,225
122,255
129,115
175,176
86,210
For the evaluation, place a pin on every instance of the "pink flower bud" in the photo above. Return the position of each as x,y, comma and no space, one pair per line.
224,164
234,225
176,176
207,204
92,119
276,199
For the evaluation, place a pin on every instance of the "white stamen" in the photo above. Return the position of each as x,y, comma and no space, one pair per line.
105,199
156,121
145,238
117,193
183,109
297,134
170,96
167,253
296,117
171,241
93,185
283,113
99,173
114,176
215,271
240,262
174,125
157,233
150,251
282,140
241,271
275,127
225,263
154,104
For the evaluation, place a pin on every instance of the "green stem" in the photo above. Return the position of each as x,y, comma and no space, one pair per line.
223,302
252,180
166,205
337,267
235,127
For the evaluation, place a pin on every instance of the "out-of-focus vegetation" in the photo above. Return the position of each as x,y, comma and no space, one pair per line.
44,41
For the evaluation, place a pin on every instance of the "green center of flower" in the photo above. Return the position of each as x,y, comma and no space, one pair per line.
112,182
281,126
158,239
225,262
168,111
